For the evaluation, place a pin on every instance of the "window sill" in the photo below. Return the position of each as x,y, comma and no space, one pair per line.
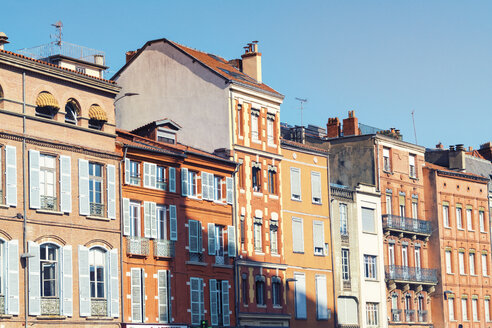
296,199
414,178
277,306
242,191
5,316
257,194
259,253
225,266
99,318
272,145
320,255
273,196
298,252
451,273
197,263
461,229
258,142
447,227
4,206
49,212
50,317
97,218
261,306
471,230
275,255
371,279
387,172
317,203
483,231
219,202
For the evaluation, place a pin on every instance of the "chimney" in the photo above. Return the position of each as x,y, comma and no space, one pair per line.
486,150
439,145
351,125
130,54
252,61
3,40
457,157
333,127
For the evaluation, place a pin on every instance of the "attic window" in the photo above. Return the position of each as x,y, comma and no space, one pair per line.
166,136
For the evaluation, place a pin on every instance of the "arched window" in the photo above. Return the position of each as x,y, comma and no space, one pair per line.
72,111
97,267
97,117
276,291
46,105
260,290
1,97
49,262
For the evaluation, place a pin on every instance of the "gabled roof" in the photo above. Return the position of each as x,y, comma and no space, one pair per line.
475,153
218,65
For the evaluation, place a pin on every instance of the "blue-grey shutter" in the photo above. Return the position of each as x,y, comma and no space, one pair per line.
126,216
163,297
12,297
211,238
146,175
65,184
111,180
11,175
214,318
193,236
113,281
153,220
127,171
84,207
34,191
34,279
153,176
136,294
147,219
84,282
316,186
229,191
200,240
173,223
231,241
195,300
172,179
226,317
67,289
202,300
184,182
205,188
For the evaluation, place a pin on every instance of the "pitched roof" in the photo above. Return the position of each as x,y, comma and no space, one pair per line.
458,174
475,153
218,65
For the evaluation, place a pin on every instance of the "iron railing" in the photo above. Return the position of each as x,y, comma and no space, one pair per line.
97,209
221,259
50,306
48,203
161,184
342,193
409,315
395,222
395,315
422,315
135,180
137,246
411,274
62,48
347,285
163,248
196,257
2,304
99,307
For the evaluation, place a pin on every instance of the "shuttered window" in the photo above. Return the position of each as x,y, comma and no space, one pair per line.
173,223
66,184
321,298
229,190
368,224
300,295
295,183
111,190
195,239
316,187
11,176
150,175
318,237
226,319
297,236
197,300
172,179
214,312
137,295
163,295
10,274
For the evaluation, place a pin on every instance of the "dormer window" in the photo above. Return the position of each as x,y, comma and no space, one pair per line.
165,135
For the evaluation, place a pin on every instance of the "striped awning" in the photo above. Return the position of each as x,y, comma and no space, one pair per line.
46,99
97,113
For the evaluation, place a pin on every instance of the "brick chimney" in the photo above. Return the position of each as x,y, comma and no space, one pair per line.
440,145
351,125
252,61
333,127
130,54
486,150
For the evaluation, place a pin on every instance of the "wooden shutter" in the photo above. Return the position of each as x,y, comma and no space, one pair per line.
126,217
172,179
229,191
321,298
231,241
297,235
184,182
153,175
34,279
147,219
127,171
136,294
153,220
214,318
195,300
200,240
318,234
84,207
226,317
316,186
65,184
113,282
111,190
163,296
146,175
193,236
202,300
12,297
84,282
211,239
66,301
34,191
205,188
11,175
173,223
300,295
211,183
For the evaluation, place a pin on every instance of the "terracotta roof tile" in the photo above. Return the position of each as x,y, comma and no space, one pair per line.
475,153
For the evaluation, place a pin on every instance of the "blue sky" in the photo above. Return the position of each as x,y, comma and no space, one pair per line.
382,59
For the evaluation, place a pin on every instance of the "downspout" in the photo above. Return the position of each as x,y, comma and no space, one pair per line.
24,224
378,182
121,238
331,238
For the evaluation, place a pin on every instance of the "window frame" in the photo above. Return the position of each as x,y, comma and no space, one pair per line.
56,270
345,264
293,195
314,200
370,267
445,214
386,159
372,314
412,169
135,219
96,282
343,219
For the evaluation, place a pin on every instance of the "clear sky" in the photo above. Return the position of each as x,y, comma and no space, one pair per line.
382,59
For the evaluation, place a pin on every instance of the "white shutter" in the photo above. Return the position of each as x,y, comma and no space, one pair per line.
316,186
127,171
113,282
84,282
136,294
12,298
126,216
205,188
146,175
297,235
153,176
153,220
321,298
229,191
163,296
184,182
200,241
34,191
193,236
173,223
195,295
111,180
211,182
34,279
11,175
300,296
147,219
318,235
211,239
65,184
231,241
67,289
172,179
84,207
226,317
212,283
295,183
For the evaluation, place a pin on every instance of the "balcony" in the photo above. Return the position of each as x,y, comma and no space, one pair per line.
161,184
2,304
395,315
135,180
221,260
342,193
163,248
406,225
97,209
99,307
411,274
409,315
137,246
50,306
48,203
422,315
347,285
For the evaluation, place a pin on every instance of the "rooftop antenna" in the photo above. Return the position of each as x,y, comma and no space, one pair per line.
414,130
58,36
302,101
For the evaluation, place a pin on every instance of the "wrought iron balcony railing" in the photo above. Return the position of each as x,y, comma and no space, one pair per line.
402,224
137,246
48,203
135,180
99,307
422,315
97,209
347,285
411,274
161,184
163,248
50,306
395,315
409,315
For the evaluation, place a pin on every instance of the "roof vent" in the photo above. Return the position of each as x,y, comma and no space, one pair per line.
3,40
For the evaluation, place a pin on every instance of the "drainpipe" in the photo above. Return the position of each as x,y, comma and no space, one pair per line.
121,238
377,165
331,237
24,223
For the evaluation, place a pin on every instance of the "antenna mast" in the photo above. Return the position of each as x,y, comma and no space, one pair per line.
302,101
414,130
58,25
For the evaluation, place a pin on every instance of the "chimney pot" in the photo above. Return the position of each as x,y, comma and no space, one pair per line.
351,125
251,61
3,40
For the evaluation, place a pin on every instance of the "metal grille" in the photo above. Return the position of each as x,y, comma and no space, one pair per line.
62,48
48,203
196,257
137,246
395,222
50,306
411,274
97,209
395,315
422,315
99,307
410,315
163,248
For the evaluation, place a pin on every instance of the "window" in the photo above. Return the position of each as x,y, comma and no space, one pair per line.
449,267
219,244
485,271
412,171
391,255
370,267
254,124
445,215
472,263
271,128
217,188
244,288
417,260
469,223
197,300
134,173
240,120
404,256
372,314
3,285
72,109
316,187
481,219
161,222
134,219
321,298
274,237
167,136
402,206
163,282
49,270
475,308
295,183
461,260
386,160
137,294
80,69
256,175
195,244
243,232
192,184
415,209
161,178
345,265
318,237
241,176
459,217
95,189
389,209
368,224
260,290
300,295
464,309
97,262
451,308
486,307
297,236
343,219
47,184
219,302
272,180
258,235
276,291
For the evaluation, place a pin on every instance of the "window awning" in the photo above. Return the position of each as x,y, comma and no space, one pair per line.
46,99
97,113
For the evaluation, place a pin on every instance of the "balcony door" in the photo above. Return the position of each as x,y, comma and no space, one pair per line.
418,271
391,259
404,261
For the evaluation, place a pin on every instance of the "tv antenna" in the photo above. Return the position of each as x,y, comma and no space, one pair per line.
58,36
302,101
414,130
